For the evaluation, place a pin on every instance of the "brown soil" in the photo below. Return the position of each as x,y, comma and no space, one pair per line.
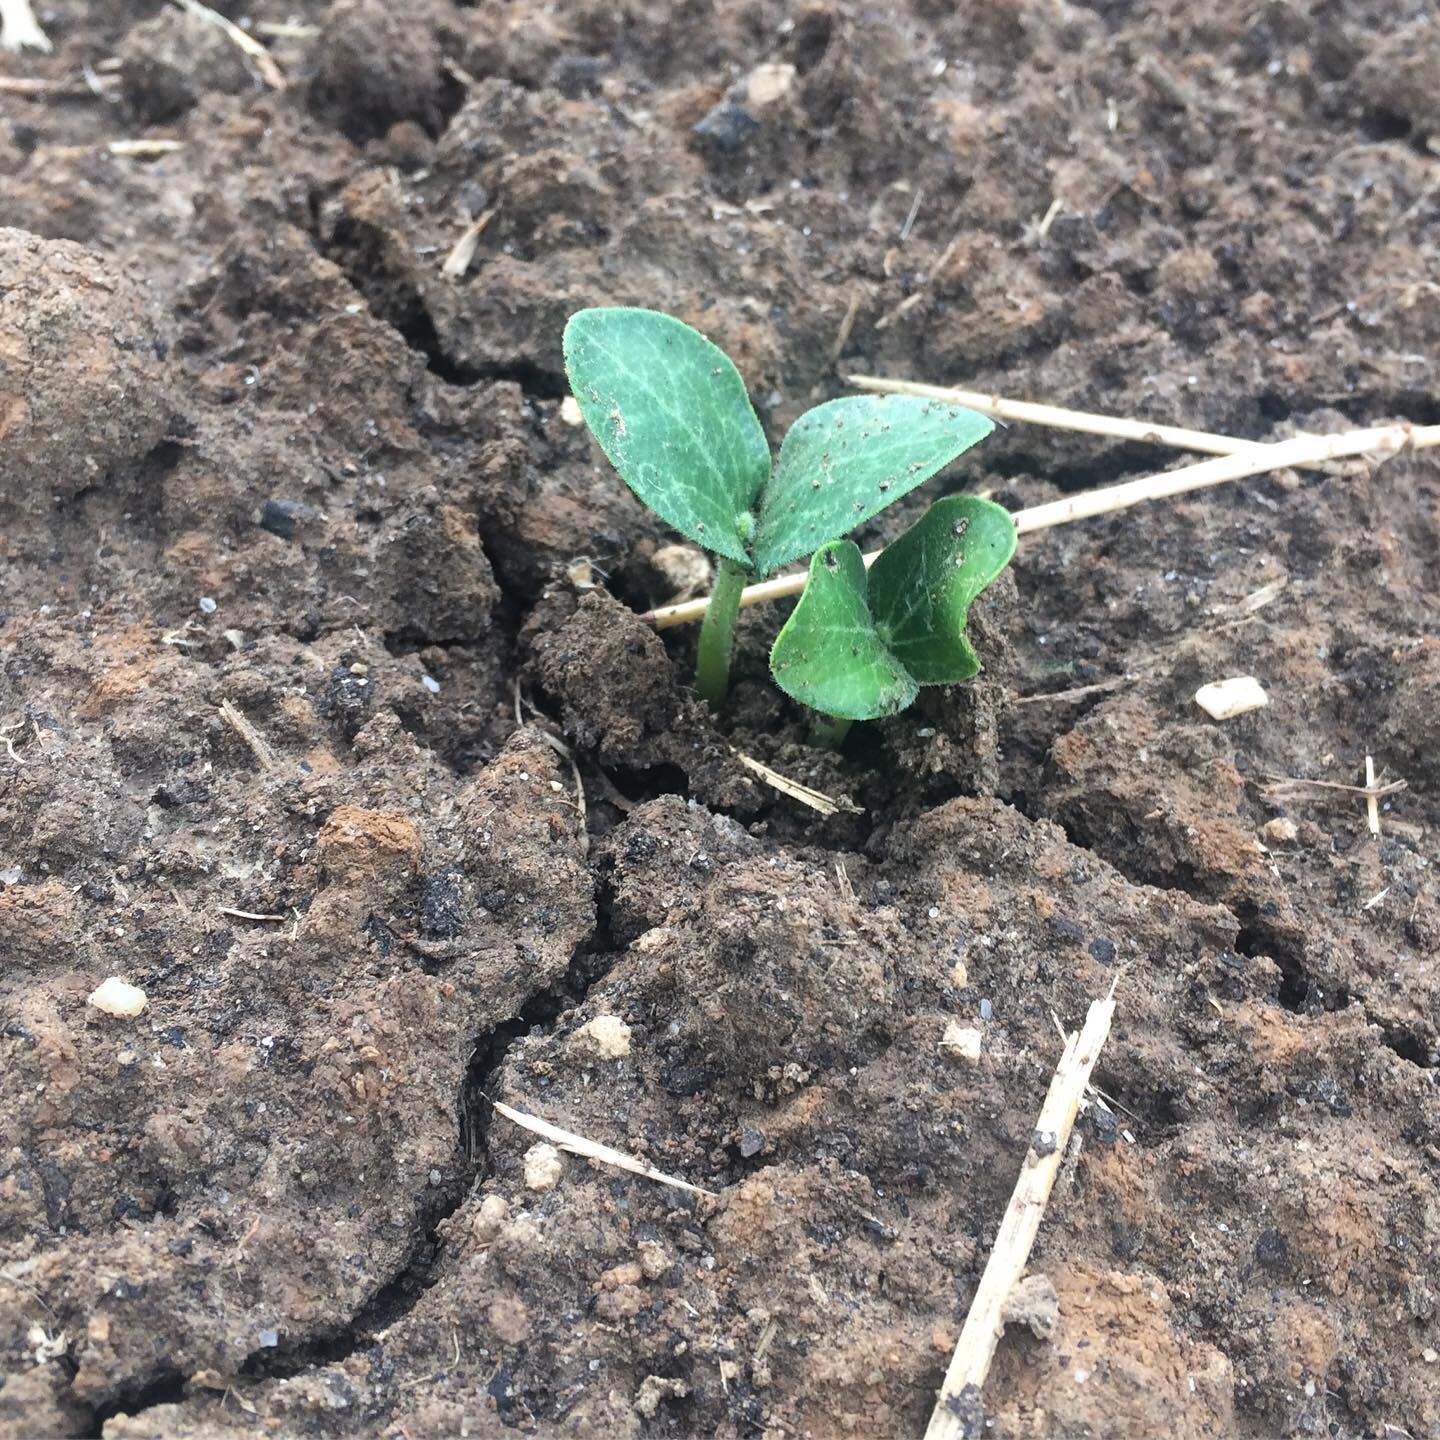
287,515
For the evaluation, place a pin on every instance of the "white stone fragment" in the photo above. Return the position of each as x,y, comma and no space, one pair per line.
490,1218
544,1165
960,1042
570,410
119,998
768,83
1225,699
1279,831
607,1035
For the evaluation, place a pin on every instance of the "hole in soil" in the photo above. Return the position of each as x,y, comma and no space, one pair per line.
359,250
1411,1045
638,785
1119,462
1298,992
419,333
490,1052
1381,125
167,1389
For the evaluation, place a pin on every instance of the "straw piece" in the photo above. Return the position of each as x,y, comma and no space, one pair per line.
817,800
143,149
957,1414
593,1150
1055,417
265,64
457,262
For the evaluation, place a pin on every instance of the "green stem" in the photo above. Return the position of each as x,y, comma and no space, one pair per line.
717,632
829,731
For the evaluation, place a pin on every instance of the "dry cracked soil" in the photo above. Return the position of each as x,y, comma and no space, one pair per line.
304,573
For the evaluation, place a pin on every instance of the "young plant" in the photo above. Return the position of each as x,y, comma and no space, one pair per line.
673,417
858,646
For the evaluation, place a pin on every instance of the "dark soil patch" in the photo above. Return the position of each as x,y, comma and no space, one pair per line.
265,468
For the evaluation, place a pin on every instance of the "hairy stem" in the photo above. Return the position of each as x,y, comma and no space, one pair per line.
717,633
829,731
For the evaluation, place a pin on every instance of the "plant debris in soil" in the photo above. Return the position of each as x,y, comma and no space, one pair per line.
288,509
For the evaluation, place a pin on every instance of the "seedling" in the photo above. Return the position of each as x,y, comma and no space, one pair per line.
860,645
672,415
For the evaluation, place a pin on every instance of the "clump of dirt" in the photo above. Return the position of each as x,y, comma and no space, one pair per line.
82,362
326,721
170,62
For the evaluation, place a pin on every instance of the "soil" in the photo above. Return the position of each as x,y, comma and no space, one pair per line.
305,572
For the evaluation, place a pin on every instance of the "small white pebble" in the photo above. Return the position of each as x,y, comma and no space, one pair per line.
119,998
1081,1376
490,1218
607,1035
208,605
544,1165
961,1042
430,683
1225,699
570,410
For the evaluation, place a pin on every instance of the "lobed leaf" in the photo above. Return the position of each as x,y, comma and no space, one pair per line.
829,654
920,587
845,461
673,417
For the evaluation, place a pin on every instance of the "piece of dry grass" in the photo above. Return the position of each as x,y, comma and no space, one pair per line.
143,149
593,1149
958,1414
249,734
1056,417
457,262
262,60
817,800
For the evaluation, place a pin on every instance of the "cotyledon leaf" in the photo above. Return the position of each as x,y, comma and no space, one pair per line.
846,460
672,415
920,587
829,654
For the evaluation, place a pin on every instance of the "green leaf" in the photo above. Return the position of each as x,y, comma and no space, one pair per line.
920,588
671,413
847,460
829,655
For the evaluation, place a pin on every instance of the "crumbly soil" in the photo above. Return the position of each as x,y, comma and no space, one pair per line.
305,573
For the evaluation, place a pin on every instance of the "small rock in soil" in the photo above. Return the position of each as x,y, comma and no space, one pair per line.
119,998
607,1035
961,1043
726,128
544,1165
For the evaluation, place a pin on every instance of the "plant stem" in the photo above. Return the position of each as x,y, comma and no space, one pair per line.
829,731
717,633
